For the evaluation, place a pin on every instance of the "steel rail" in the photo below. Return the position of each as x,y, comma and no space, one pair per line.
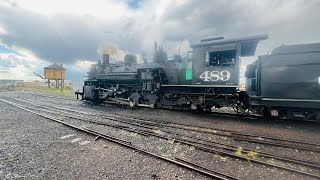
228,154
224,130
232,133
124,143
248,116
210,150
235,137
229,147
216,144
200,166
279,144
211,129
206,149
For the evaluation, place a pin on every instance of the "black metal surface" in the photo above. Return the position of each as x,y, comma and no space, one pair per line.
212,39
206,65
287,82
248,43
291,72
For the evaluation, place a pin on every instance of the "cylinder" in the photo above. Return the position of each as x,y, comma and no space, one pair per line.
143,75
144,86
149,86
105,59
158,85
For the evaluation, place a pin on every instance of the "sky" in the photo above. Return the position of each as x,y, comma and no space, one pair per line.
37,33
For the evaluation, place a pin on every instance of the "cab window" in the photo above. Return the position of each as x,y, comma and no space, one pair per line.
221,58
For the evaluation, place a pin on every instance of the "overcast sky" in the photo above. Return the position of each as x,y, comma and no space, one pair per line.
36,33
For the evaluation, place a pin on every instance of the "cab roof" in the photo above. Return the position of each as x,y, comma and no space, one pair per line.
248,43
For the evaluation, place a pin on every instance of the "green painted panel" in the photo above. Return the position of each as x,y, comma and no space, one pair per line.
188,74
189,71
188,68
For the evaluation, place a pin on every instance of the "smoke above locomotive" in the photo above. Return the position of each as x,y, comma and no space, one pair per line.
130,61
112,49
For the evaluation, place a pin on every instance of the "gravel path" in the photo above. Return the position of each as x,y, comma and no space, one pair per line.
36,148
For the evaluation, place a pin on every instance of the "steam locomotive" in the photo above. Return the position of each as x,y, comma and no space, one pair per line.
208,77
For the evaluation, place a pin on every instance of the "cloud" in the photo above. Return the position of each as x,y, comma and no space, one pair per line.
21,67
68,31
2,30
13,66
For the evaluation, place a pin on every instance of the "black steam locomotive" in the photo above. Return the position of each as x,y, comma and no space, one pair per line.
208,77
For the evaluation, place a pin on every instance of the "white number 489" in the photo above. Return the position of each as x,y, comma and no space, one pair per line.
215,75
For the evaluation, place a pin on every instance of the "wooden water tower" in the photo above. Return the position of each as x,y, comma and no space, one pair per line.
56,74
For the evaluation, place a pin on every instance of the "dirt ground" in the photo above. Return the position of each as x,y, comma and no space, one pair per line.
32,147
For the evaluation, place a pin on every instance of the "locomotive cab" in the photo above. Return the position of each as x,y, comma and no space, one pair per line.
216,65
211,75
216,62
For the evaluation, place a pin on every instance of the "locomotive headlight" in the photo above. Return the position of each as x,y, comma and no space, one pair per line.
319,80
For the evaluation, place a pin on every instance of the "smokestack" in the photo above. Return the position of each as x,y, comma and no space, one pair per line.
105,58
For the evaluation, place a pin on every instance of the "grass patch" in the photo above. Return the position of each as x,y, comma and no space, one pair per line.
252,154
4,88
158,132
171,141
10,161
57,92
67,91
239,151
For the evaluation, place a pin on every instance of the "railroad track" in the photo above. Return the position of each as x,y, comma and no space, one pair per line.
177,161
146,128
238,136
235,135
246,116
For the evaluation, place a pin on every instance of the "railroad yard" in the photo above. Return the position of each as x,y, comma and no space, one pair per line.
44,136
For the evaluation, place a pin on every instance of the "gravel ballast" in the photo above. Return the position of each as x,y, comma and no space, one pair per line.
32,147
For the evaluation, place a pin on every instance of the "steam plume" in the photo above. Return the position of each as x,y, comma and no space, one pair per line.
113,50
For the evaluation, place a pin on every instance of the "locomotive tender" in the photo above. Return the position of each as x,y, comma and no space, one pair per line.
209,77
286,83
